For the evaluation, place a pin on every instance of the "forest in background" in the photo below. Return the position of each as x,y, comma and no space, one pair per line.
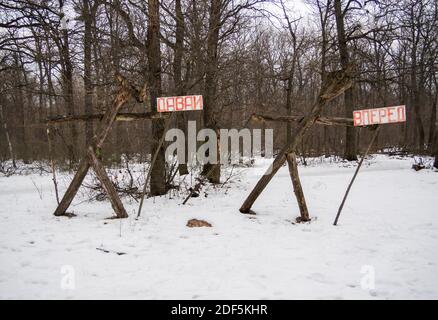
60,57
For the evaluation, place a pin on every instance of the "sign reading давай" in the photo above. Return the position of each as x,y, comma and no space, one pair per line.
181,103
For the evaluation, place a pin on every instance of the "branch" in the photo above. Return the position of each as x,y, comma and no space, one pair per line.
328,121
119,117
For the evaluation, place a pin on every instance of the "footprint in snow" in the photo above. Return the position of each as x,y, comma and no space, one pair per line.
25,264
373,293
319,277
319,186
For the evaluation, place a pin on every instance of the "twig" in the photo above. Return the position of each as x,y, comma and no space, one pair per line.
109,251
38,189
198,185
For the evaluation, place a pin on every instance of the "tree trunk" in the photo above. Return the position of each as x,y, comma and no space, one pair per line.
289,107
435,163
67,81
38,60
211,83
415,103
434,143
350,153
177,76
158,176
88,83
20,105
433,121
114,30
433,116
8,140
48,73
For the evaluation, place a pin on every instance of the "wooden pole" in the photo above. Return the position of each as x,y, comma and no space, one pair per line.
154,158
328,121
298,190
119,117
52,163
376,131
111,191
73,188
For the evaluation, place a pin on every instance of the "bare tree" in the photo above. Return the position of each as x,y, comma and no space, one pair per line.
158,176
350,135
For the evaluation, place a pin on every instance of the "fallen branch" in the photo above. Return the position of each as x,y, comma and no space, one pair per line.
111,251
194,192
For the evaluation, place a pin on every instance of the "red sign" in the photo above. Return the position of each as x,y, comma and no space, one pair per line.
380,115
181,103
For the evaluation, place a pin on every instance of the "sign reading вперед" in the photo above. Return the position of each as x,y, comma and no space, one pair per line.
369,117
180,103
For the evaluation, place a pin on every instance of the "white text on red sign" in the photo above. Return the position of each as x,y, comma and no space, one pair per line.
379,116
181,103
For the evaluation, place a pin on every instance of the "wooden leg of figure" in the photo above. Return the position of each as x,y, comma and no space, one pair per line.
298,190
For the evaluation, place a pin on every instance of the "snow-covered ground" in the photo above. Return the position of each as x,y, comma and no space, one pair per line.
388,231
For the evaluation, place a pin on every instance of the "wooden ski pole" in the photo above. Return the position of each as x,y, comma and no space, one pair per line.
52,163
376,131
154,158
